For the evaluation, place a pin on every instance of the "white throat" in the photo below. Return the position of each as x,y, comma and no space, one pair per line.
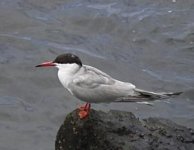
66,73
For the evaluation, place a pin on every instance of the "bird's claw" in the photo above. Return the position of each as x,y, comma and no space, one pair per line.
83,114
84,111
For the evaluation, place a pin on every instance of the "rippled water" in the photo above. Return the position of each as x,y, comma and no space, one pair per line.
146,42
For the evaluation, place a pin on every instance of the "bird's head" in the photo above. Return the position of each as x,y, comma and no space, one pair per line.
63,61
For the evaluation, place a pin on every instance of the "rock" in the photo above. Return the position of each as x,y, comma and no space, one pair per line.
117,130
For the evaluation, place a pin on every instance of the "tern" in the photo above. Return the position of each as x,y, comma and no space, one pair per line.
91,85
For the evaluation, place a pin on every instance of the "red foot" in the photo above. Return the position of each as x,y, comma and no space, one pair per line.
84,111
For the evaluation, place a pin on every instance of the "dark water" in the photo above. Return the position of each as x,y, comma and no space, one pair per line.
149,43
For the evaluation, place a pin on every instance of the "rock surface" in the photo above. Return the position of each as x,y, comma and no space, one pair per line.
117,130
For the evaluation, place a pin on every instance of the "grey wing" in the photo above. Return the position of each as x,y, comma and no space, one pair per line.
93,78
94,85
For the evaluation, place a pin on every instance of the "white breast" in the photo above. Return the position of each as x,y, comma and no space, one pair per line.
66,74
64,78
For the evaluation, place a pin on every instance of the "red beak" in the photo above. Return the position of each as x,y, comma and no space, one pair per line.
46,64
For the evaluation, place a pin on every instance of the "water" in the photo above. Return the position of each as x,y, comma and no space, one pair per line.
146,42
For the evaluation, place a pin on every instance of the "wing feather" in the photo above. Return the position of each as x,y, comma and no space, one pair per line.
93,78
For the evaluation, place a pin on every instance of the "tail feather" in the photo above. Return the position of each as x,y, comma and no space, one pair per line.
143,96
154,95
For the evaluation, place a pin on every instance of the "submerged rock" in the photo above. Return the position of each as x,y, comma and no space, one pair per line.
117,130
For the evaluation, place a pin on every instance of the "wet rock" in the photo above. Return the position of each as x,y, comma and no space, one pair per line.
117,130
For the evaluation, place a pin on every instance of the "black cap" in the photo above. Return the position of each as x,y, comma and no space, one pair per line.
68,58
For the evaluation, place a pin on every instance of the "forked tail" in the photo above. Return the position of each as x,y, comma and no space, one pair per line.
146,96
153,95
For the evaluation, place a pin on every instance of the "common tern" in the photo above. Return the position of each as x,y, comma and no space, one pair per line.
91,85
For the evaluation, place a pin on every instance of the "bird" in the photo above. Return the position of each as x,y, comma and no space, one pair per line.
92,85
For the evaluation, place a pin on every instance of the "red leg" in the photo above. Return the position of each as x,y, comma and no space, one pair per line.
84,111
